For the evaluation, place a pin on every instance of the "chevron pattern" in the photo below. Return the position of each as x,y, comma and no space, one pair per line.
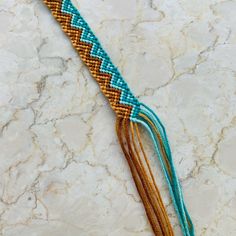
91,52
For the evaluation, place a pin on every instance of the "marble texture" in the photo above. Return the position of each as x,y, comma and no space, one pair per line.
62,172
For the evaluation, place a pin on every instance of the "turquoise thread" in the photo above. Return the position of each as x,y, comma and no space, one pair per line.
174,186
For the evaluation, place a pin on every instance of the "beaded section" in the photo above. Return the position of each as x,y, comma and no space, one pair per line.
113,86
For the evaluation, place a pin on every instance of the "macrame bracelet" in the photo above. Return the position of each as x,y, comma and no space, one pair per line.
130,115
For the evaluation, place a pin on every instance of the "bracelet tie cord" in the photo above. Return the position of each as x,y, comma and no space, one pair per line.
131,114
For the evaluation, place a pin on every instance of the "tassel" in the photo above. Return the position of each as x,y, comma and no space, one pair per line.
130,141
149,120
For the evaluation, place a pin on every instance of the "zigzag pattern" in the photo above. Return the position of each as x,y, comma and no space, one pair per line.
102,69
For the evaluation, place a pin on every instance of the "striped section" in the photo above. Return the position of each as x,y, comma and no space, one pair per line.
102,69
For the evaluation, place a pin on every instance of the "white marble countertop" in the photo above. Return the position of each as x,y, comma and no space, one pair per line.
62,171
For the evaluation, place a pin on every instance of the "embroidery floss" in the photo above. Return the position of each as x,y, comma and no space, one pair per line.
131,114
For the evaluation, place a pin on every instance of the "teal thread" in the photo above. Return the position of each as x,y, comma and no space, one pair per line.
174,185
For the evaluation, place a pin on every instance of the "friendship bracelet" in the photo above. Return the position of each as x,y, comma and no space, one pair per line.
131,114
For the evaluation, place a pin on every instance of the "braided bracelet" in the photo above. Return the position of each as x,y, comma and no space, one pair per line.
131,114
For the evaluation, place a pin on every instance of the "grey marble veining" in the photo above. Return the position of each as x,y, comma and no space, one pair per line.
62,171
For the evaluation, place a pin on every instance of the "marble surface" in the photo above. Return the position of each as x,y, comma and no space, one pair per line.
62,171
